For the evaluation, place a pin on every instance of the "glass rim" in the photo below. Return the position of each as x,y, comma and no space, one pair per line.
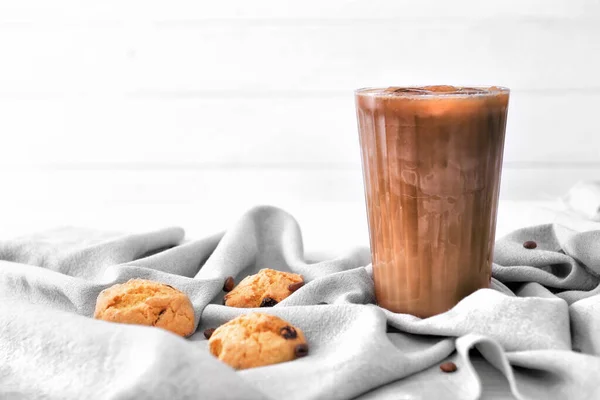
421,91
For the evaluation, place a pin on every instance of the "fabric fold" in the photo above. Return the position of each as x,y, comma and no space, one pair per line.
542,305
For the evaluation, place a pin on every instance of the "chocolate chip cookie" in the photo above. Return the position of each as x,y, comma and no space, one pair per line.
145,302
265,289
256,340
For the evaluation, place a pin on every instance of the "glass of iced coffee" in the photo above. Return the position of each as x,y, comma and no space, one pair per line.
432,158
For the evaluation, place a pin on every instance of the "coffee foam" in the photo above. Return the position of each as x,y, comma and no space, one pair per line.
432,90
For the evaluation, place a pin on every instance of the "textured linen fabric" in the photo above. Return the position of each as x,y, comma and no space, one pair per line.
539,323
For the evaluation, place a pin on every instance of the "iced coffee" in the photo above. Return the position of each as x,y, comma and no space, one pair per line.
432,158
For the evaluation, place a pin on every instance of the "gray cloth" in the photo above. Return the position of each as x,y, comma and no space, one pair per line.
543,304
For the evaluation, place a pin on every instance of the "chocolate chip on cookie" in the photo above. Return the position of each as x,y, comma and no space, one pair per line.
288,332
268,302
301,350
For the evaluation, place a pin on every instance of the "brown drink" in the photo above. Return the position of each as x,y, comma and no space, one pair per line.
432,158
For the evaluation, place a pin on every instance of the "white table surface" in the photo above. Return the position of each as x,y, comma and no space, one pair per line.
328,226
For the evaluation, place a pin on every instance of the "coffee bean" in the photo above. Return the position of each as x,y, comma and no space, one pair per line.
530,244
448,367
229,284
292,287
288,332
208,333
268,302
301,350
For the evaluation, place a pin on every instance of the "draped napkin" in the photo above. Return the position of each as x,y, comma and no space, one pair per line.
539,323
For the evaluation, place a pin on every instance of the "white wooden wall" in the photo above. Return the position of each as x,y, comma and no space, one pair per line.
115,110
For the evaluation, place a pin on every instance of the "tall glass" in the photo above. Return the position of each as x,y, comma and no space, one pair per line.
432,158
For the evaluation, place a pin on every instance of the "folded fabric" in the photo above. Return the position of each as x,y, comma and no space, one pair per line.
538,324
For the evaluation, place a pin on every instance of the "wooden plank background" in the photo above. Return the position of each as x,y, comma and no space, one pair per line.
120,106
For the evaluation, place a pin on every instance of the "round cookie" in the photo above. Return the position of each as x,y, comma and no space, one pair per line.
264,289
145,302
256,340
